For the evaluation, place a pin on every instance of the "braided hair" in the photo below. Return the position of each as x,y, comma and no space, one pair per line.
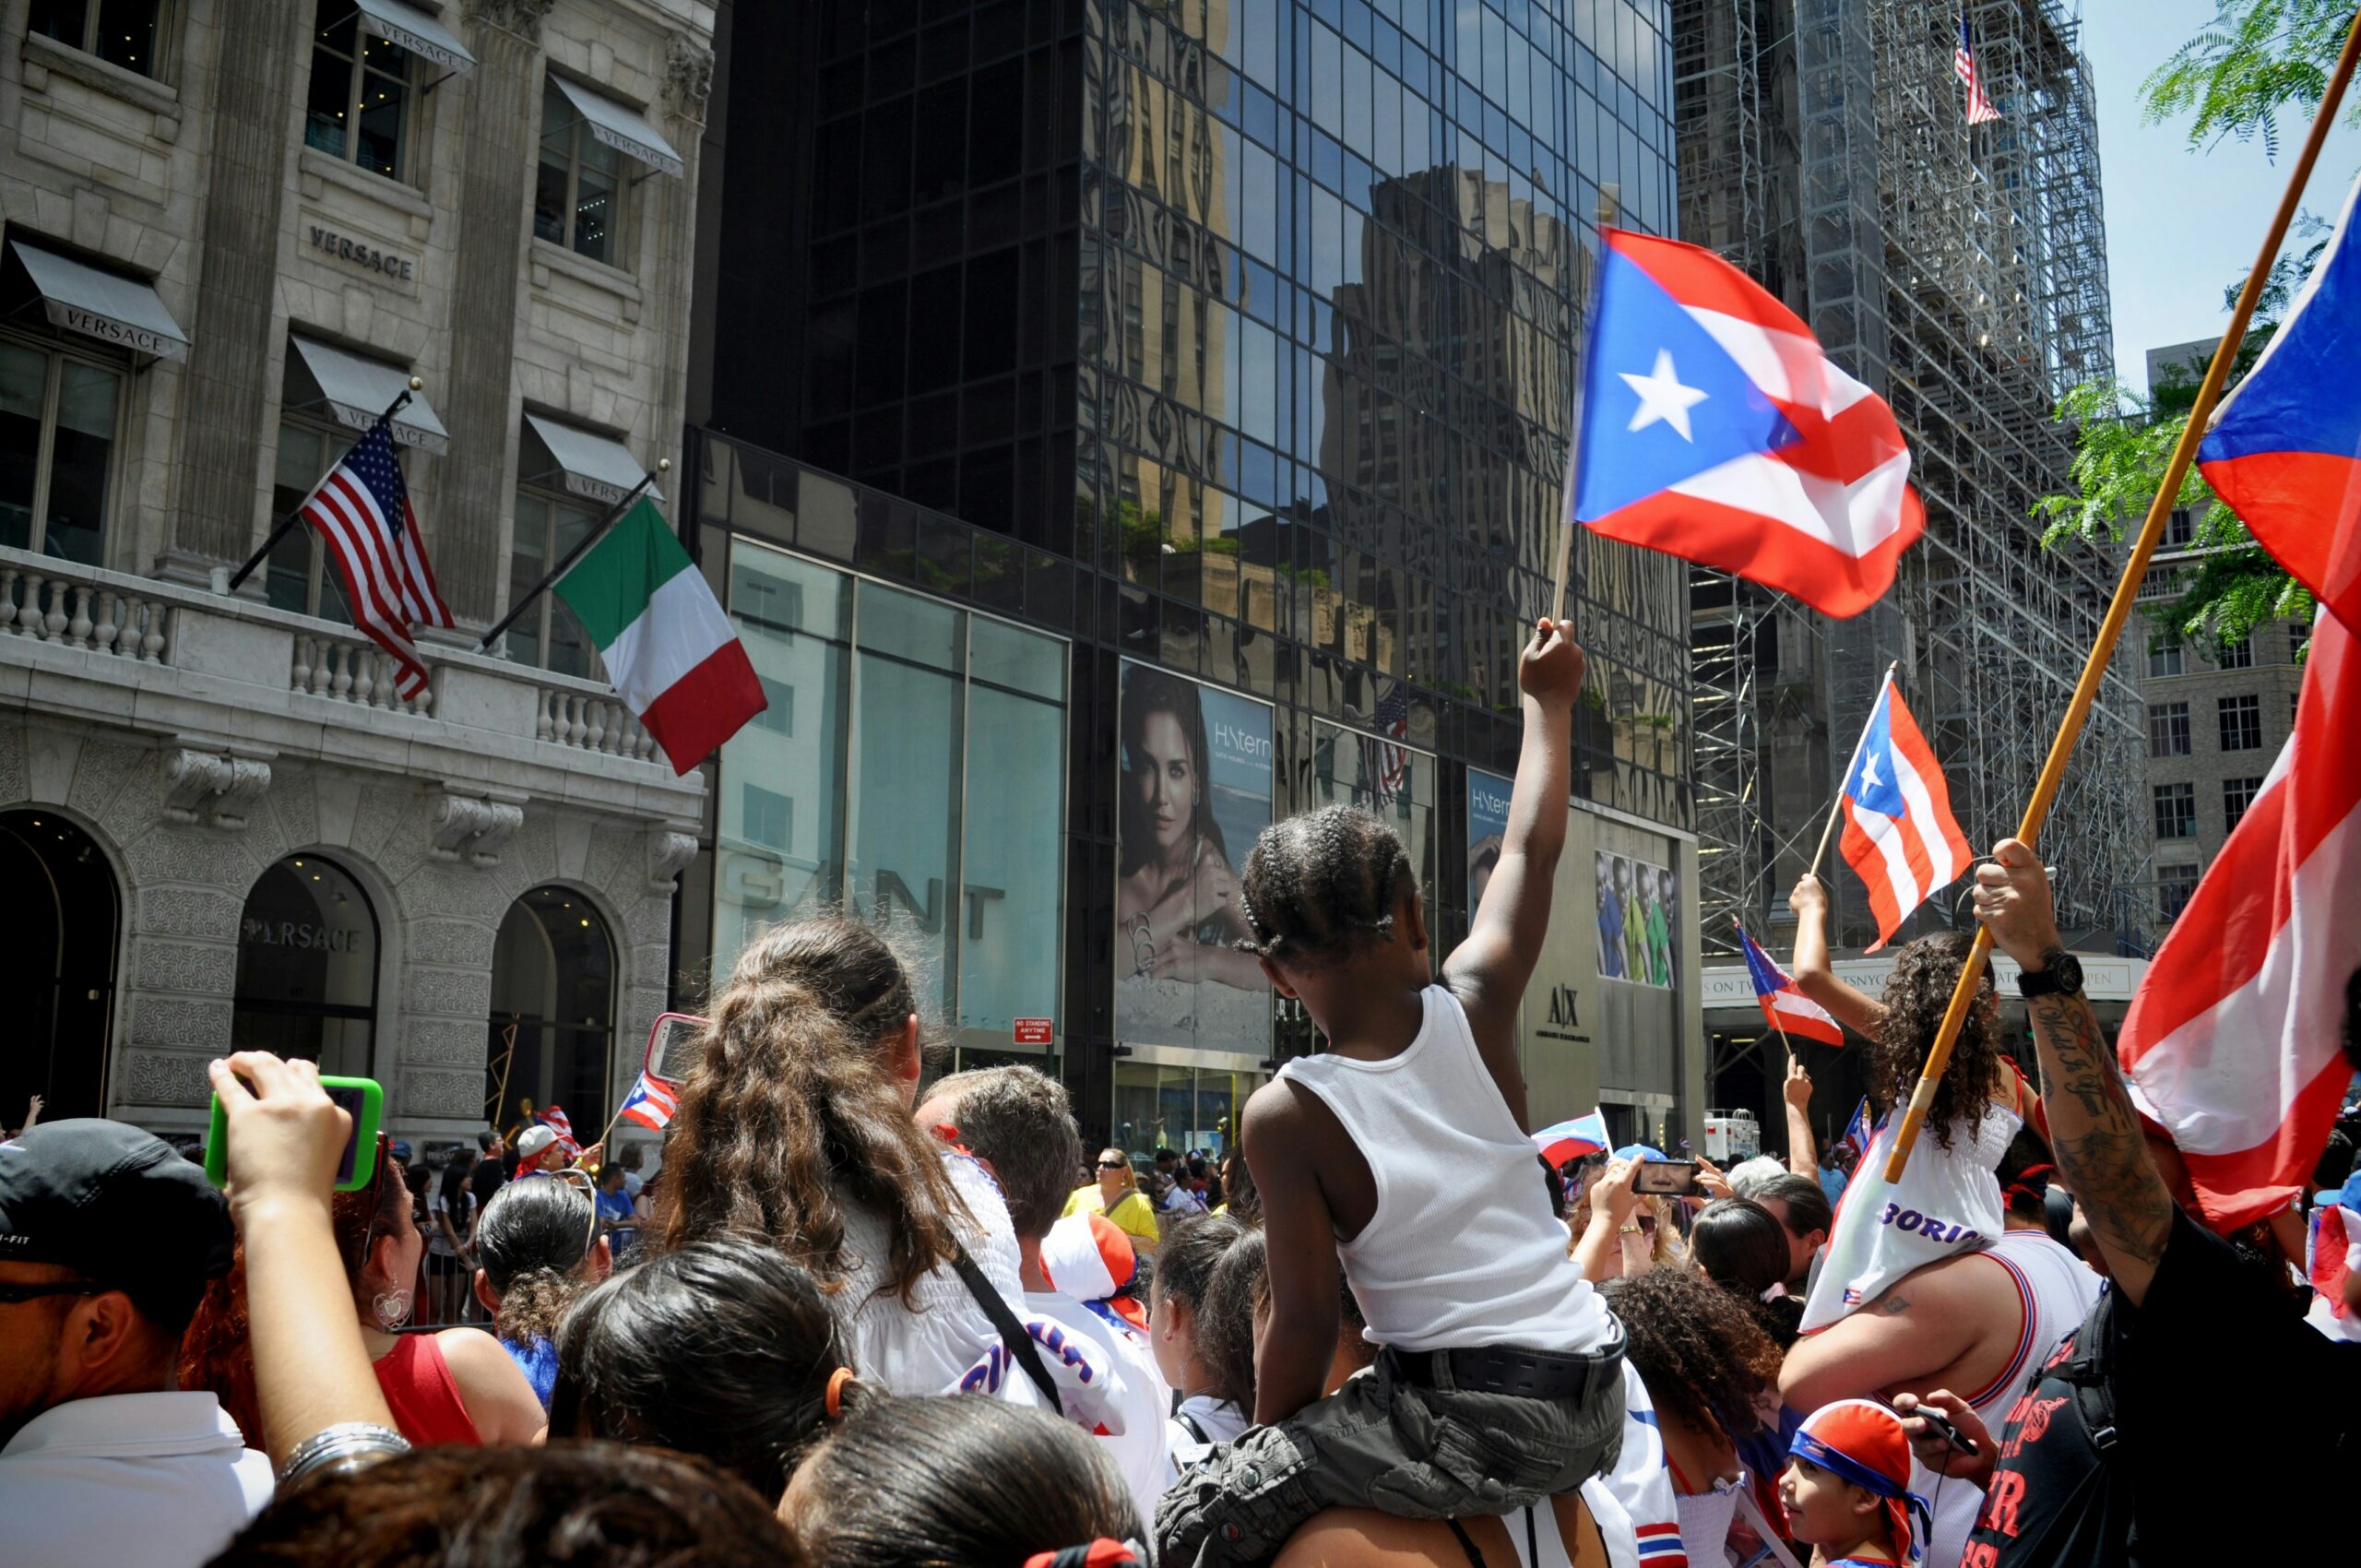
1323,887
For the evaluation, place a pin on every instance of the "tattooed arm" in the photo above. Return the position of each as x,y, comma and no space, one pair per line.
2094,1133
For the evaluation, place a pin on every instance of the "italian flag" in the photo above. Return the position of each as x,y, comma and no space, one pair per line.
668,648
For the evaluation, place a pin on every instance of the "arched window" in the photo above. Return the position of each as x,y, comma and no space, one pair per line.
553,1025
68,919
307,967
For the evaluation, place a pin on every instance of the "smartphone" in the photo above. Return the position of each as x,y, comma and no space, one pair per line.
1943,1425
363,1099
1674,1178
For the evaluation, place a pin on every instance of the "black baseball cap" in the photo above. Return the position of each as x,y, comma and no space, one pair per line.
118,1205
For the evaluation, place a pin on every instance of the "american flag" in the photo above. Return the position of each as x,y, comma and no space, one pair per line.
1385,767
362,512
1979,102
650,1103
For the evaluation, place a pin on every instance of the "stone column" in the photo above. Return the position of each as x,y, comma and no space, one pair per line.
232,356
671,207
500,126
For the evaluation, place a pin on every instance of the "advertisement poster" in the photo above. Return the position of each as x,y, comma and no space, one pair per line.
1488,827
1195,789
1639,920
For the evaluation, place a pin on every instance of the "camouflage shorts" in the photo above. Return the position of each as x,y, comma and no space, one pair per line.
1387,1442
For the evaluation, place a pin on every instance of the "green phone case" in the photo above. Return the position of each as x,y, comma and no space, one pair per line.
363,1098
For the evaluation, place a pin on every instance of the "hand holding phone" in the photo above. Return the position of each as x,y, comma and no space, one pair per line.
1953,1442
278,1125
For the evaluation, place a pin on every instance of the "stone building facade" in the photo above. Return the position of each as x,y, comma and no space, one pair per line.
232,234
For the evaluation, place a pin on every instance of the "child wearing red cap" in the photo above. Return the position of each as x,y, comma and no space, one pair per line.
1846,1487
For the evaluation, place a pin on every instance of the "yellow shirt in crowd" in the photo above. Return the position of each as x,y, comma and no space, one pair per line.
1132,1214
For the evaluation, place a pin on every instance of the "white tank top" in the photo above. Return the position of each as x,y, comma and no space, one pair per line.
2057,1291
1462,1250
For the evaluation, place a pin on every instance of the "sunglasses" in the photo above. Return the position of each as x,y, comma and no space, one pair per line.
12,1294
1114,1164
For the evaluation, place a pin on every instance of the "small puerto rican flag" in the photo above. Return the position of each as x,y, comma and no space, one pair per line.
650,1103
1660,1546
1859,1131
1900,837
1574,1139
1786,1008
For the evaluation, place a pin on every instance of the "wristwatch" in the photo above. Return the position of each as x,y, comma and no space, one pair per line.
2060,975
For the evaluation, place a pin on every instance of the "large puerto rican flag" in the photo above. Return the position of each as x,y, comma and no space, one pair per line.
2232,1043
1900,836
1784,1008
1714,429
2285,447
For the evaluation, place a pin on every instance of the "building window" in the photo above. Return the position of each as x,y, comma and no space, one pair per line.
57,437
2241,723
579,196
2175,809
2169,729
2299,632
768,817
779,718
547,635
298,576
2164,654
2175,884
2238,655
121,32
2237,794
361,93
2180,529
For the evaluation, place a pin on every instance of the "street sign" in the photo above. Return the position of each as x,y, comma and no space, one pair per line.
1032,1031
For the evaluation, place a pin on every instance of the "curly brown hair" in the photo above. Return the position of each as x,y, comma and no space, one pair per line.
1916,994
1701,1353
789,1115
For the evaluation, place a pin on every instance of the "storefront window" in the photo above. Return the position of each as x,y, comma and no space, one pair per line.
552,1032
579,191
307,967
1179,1106
57,434
121,32
911,768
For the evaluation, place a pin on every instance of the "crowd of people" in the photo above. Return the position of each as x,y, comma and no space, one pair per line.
863,1317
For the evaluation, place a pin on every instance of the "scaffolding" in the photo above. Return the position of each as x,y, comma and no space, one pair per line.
1961,273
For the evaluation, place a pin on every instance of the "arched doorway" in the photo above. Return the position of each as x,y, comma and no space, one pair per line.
307,967
68,922
551,1033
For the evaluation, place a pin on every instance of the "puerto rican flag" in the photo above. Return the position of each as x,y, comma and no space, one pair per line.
1900,836
1786,1008
2285,447
1859,1131
557,1122
650,1103
1574,1139
2232,1044
1714,429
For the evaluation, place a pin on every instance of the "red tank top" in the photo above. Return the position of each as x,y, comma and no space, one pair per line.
422,1395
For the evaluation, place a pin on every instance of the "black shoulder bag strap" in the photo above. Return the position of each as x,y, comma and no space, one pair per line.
1012,1333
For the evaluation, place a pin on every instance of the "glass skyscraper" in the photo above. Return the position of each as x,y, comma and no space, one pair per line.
1233,343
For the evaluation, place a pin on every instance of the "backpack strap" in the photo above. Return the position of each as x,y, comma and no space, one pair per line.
1012,1333
2091,1371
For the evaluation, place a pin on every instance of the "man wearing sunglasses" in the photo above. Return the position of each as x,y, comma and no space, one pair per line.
107,1237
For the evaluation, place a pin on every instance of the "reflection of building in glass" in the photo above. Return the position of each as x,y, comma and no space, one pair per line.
1235,337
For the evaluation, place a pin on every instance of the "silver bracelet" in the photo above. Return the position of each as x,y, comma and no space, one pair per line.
344,1446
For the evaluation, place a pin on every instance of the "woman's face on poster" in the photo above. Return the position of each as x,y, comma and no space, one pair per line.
1164,776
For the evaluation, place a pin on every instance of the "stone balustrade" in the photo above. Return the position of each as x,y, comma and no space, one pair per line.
212,666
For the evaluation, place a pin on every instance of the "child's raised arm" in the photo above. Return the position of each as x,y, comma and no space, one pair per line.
1488,972
1283,1142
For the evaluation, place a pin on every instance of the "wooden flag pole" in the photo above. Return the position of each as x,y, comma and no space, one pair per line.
1607,206
2208,392
1836,809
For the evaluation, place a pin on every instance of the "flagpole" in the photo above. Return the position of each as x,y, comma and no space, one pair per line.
1607,204
400,401
2119,612
663,465
1837,811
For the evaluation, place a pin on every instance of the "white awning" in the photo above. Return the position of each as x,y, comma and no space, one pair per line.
621,127
597,468
357,391
105,305
407,26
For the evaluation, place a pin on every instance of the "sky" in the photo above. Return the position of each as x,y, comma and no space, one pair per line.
2182,226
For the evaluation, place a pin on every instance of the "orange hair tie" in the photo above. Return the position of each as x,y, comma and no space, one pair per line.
833,1402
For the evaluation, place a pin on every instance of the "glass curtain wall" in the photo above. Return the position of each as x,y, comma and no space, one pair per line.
911,771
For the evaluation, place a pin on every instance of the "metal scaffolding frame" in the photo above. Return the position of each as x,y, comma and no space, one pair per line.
1961,273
